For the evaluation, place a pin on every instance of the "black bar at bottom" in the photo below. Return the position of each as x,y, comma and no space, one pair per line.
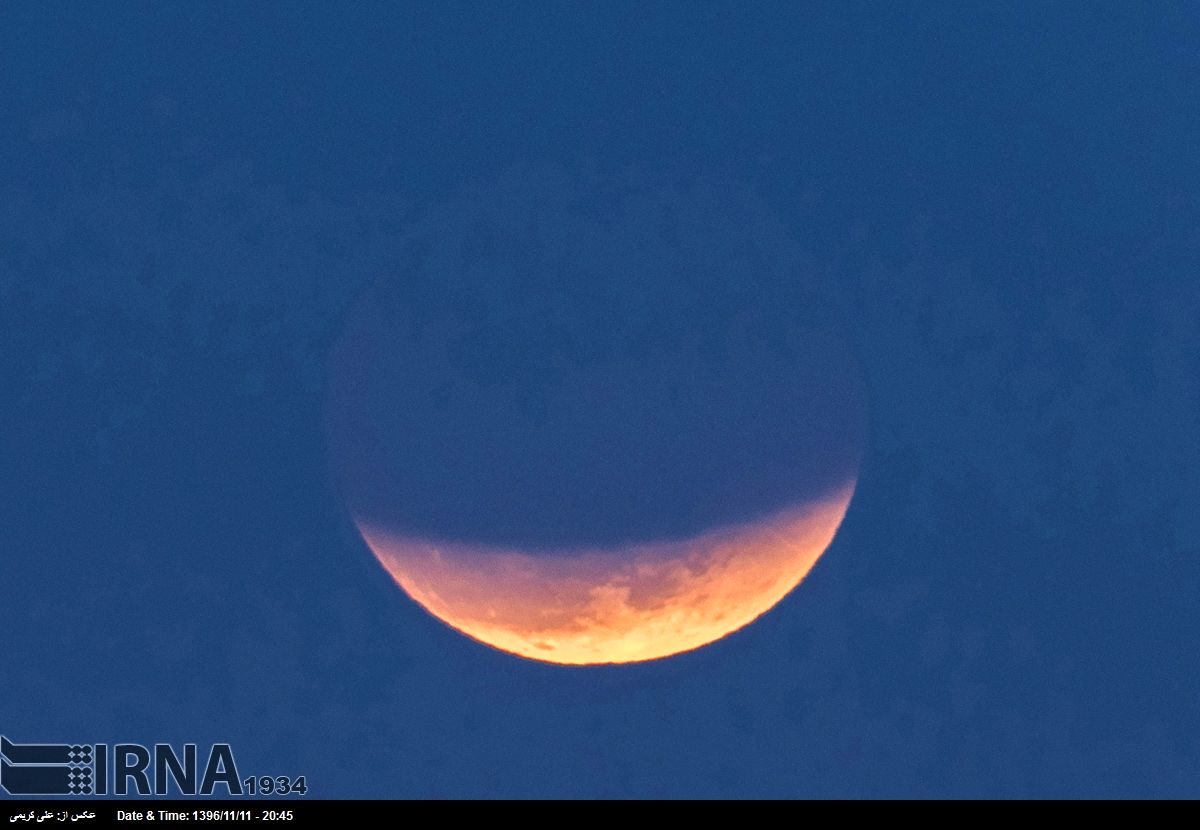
84,812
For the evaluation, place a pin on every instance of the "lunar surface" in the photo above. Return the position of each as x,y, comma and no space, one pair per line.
588,426
622,605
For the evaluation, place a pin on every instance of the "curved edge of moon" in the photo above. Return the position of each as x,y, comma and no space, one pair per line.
626,604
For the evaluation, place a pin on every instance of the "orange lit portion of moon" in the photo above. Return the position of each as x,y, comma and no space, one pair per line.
622,605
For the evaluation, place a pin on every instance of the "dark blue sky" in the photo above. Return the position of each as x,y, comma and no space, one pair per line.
1002,200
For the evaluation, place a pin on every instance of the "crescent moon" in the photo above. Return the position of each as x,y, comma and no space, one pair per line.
590,425
621,605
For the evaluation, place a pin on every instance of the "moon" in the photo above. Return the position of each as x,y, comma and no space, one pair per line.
620,605
576,442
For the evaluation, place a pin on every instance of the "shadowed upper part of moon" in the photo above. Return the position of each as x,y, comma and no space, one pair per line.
558,365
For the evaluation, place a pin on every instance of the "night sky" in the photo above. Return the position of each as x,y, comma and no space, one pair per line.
997,207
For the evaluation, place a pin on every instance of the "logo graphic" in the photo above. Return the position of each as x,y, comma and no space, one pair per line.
49,769
83,769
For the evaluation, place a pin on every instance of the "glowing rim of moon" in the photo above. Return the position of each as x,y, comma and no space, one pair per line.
624,604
